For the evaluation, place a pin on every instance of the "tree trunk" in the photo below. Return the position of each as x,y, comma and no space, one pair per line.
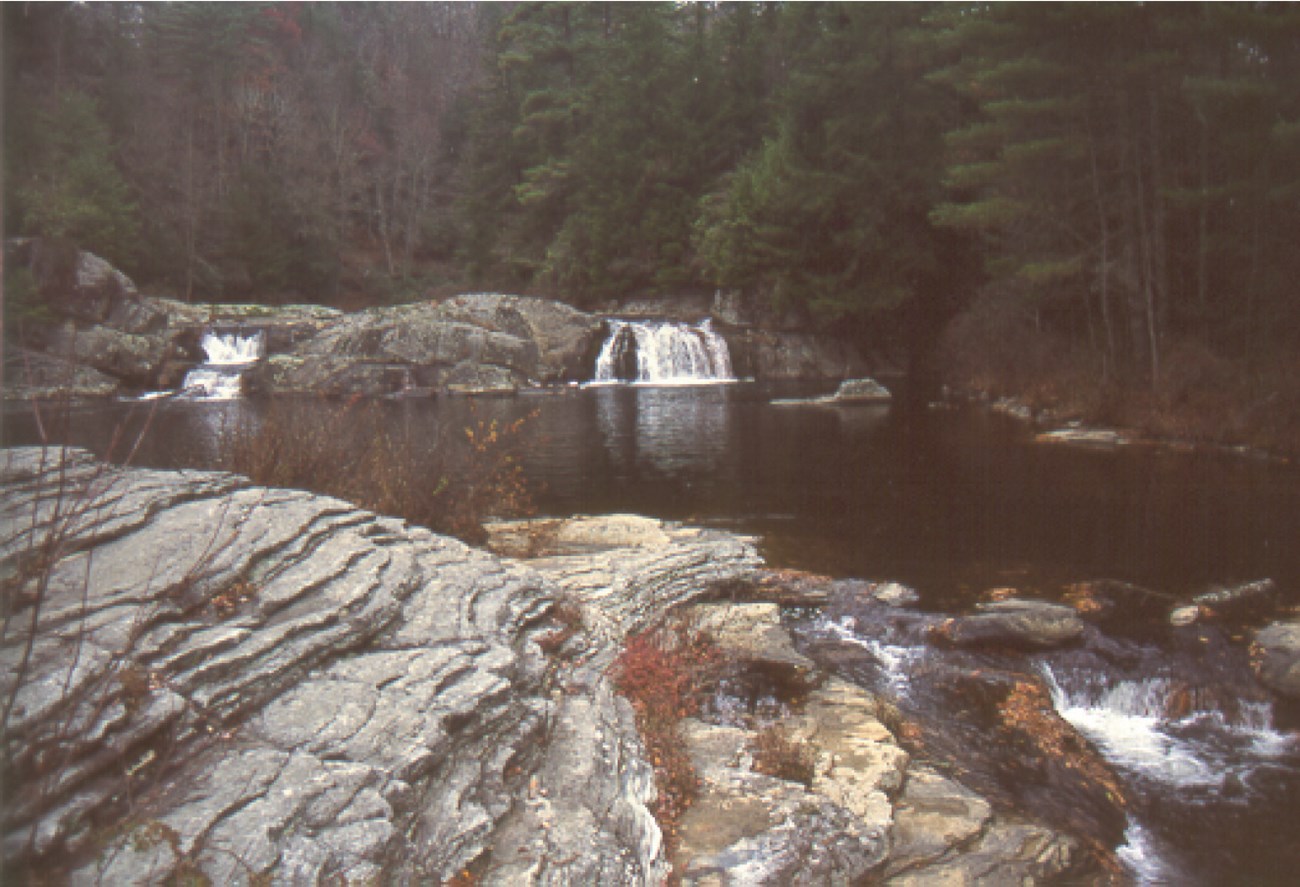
1103,270
1203,228
191,208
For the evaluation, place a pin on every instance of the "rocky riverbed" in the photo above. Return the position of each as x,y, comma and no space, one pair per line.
207,677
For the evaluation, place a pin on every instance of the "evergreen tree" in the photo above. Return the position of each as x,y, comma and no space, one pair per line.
64,184
830,215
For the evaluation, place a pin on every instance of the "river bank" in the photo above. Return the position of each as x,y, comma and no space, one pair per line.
1201,400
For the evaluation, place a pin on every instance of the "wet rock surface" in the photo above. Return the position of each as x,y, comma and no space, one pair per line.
1014,622
1276,657
771,355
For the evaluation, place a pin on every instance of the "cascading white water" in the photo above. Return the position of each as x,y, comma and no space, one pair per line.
1127,721
1130,723
232,349
229,355
663,353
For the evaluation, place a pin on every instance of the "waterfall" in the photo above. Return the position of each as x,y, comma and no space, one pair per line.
1130,722
229,355
663,353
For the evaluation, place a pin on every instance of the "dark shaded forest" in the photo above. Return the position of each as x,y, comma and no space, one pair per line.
1092,204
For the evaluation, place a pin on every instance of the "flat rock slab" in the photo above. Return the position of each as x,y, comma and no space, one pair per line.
749,828
750,633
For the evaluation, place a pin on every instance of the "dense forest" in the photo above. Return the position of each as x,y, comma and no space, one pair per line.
1115,188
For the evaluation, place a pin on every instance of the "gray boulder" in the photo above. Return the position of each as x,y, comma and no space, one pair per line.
478,342
34,375
134,359
78,284
1015,623
852,392
861,391
1275,657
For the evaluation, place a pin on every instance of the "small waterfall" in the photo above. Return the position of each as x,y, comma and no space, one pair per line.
229,355
663,353
1131,722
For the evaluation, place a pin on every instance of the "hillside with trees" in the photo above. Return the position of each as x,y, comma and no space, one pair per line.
1091,204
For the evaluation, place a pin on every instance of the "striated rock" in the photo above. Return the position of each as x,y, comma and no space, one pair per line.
279,684
750,633
237,684
1014,622
1275,657
626,571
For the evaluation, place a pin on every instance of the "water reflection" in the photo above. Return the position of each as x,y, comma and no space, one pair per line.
664,431
952,503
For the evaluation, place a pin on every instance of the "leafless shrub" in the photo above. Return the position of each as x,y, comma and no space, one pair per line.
778,753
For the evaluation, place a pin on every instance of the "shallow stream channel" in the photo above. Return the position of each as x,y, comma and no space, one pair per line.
958,506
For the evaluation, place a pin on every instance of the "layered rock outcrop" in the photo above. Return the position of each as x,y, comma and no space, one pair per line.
203,678
265,683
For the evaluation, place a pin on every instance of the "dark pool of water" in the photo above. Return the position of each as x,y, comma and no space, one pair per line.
952,502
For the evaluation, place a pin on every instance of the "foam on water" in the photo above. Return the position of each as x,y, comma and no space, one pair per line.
1128,722
220,378
666,353
894,659
232,349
